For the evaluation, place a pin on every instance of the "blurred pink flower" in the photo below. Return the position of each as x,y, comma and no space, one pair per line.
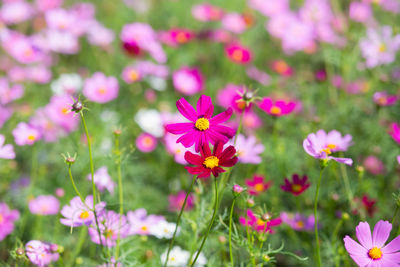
257,185
259,224
207,12
176,36
258,75
298,222
44,205
176,201
59,111
176,149
9,93
7,219
247,149
271,7
16,12
384,99
395,132
102,180
78,213
146,142
230,97
360,12
5,114
6,150
99,35
140,223
25,134
188,81
277,108
234,22
41,253
100,88
44,5
238,53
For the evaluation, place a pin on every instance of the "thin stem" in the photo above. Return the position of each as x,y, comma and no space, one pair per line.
89,143
74,186
239,128
179,219
121,196
230,232
211,222
346,183
78,247
316,218
395,213
34,167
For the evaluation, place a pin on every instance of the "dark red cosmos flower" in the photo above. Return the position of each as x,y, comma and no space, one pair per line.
202,128
297,186
207,162
369,205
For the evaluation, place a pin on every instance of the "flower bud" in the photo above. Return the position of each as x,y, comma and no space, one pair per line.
250,202
266,258
77,106
266,217
222,239
345,216
117,132
20,251
237,189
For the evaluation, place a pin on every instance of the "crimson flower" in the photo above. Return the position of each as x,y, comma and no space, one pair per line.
207,162
297,185
202,128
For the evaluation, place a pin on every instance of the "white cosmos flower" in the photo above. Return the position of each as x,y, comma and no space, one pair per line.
149,120
67,83
164,229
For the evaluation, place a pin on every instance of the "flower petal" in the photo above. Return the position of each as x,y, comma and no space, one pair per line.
179,128
393,246
186,109
204,106
188,139
356,251
193,158
221,117
381,233
346,161
363,233
391,259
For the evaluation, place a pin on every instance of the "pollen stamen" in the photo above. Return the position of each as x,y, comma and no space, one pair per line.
202,124
375,253
211,162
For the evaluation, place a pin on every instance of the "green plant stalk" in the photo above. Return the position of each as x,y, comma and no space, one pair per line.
89,143
34,167
74,186
395,213
239,128
78,247
230,232
346,183
316,218
211,222
121,196
179,219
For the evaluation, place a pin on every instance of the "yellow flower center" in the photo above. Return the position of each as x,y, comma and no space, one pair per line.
31,137
65,110
382,48
259,187
382,100
133,75
28,52
237,55
300,224
281,66
181,37
1,218
108,233
211,162
147,141
375,253
328,148
144,228
296,187
84,215
102,90
260,222
202,124
275,110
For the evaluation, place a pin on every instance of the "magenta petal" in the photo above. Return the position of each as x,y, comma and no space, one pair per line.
356,251
179,128
221,117
381,233
363,233
203,104
393,246
186,109
188,139
224,130
217,137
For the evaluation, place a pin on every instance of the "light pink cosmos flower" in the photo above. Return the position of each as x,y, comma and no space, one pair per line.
188,81
99,35
247,149
258,75
100,88
146,142
140,223
9,93
7,219
207,12
111,226
61,19
59,111
176,149
41,253
298,222
384,99
16,12
25,134
176,201
62,42
44,5
22,48
5,114
277,24
298,36
234,22
44,205
316,11
398,159
374,165
360,12
49,130
380,46
6,151
78,213
103,180
321,145
38,74
271,7
391,6
372,251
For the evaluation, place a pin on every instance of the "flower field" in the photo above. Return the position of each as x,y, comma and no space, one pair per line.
188,133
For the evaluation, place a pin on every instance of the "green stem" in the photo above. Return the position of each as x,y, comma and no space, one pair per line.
121,196
74,186
211,222
89,143
395,213
239,128
34,167
179,219
346,183
316,218
230,232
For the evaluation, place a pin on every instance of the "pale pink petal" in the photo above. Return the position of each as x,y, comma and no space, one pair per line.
393,246
363,233
381,233
356,251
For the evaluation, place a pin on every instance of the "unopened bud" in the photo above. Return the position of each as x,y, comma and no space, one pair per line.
20,251
117,132
250,202
70,160
77,106
222,239
266,217
237,189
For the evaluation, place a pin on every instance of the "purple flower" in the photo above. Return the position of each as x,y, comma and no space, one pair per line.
100,88
360,12
102,180
298,222
7,219
44,205
188,81
25,134
371,250
247,149
41,253
110,224
321,145
140,223
78,213
6,151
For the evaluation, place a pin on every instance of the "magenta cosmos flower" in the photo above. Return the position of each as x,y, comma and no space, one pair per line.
257,185
7,219
207,162
321,145
384,99
78,213
297,185
188,81
238,53
395,132
259,224
6,150
176,201
146,142
277,108
202,128
372,251
100,88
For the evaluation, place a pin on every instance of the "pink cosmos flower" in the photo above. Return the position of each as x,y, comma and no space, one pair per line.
7,219
316,11
257,185
231,97
251,121
398,159
21,48
61,19
202,128
176,201
270,8
247,149
102,180
237,189
49,130
38,74
373,165
298,36
259,224
379,47
25,134
234,22
277,108
9,93
176,149
395,132
100,88
281,67
41,253
146,142
238,53
131,74
360,12
99,35
188,81
372,250
207,12
78,213
298,222
391,6
321,145
6,150
384,99
111,226
177,36
5,114
44,205
140,223
16,12
258,75
44,5
59,111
